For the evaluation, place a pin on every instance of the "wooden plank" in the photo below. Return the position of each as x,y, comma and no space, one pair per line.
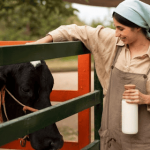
16,145
98,109
26,53
63,95
104,3
93,146
32,122
6,43
84,86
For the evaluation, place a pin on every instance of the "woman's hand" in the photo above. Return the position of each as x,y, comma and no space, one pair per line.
30,43
46,39
134,96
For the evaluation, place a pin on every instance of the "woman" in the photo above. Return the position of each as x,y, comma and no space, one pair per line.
122,56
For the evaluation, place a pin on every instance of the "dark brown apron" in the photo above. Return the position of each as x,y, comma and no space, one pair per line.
111,136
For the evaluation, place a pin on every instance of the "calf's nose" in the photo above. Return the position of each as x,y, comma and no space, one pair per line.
57,144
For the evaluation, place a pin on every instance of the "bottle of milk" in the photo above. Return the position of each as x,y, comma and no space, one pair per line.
129,115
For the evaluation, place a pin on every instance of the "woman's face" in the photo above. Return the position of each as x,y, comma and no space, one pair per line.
127,34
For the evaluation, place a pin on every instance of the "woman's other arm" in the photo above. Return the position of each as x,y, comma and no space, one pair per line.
136,97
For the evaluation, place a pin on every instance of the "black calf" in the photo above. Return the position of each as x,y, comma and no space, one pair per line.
31,85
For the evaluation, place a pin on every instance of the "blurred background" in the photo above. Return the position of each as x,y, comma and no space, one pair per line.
33,19
29,20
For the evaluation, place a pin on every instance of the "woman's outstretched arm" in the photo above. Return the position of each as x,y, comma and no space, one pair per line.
47,39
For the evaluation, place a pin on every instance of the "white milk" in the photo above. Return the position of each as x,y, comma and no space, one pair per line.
129,118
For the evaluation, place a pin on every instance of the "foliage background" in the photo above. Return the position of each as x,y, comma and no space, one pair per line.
33,19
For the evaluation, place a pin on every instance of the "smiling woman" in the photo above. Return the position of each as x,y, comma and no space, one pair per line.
129,34
122,23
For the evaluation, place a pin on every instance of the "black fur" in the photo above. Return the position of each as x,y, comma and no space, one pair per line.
32,87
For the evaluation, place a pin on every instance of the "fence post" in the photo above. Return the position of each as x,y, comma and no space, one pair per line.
97,108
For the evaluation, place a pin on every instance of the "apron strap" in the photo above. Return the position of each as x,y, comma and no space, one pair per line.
119,48
148,70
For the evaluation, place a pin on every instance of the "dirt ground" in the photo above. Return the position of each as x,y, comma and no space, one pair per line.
69,126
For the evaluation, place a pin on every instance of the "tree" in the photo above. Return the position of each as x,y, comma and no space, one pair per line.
31,19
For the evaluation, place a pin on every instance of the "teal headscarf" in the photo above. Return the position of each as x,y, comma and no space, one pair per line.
136,12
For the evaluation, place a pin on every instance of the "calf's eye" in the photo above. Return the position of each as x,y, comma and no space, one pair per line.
26,90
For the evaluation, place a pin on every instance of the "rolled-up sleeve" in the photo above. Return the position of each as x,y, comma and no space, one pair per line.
90,36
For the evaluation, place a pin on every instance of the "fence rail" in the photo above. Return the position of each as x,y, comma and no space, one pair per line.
93,146
25,53
42,118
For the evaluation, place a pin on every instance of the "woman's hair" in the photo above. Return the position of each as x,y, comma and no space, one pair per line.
127,23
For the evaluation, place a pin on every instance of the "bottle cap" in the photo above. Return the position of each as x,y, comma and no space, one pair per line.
129,86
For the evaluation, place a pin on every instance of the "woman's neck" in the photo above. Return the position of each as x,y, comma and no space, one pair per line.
139,47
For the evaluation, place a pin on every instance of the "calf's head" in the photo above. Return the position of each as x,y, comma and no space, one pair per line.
31,85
